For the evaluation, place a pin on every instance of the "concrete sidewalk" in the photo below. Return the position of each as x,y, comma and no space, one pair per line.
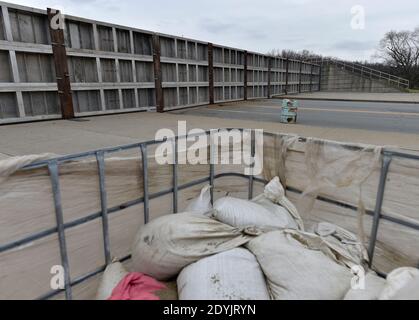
357,96
66,137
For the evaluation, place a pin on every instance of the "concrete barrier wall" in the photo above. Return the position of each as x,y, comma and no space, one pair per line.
91,68
338,79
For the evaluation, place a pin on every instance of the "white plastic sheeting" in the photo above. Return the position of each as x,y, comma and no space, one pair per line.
347,246
10,165
332,166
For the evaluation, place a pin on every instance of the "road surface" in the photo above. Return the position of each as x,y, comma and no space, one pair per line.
387,117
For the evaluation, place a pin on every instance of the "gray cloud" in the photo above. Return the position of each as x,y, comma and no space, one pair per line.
215,27
353,45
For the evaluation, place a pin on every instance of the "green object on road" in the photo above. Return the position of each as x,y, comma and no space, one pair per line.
289,111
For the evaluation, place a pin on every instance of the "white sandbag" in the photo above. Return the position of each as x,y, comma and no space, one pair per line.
374,285
163,247
231,275
112,275
275,192
266,210
402,284
300,266
278,211
201,204
409,292
242,213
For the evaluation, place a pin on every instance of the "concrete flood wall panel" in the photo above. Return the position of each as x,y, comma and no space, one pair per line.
112,69
335,79
28,88
228,74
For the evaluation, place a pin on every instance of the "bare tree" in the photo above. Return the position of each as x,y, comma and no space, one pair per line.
400,50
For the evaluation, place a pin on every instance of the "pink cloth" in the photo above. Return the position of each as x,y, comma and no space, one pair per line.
136,286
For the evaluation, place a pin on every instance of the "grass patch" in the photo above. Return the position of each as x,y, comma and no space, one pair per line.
413,90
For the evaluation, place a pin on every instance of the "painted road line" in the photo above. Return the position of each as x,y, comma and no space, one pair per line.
363,111
392,113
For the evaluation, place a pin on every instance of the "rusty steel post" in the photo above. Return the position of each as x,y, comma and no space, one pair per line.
320,77
211,72
269,76
158,74
286,75
311,78
299,79
245,76
56,29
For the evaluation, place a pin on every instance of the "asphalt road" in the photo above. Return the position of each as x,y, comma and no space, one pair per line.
376,116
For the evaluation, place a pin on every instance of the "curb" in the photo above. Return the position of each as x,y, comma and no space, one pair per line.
347,100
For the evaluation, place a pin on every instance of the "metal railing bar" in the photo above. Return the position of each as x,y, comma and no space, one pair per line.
401,222
144,160
100,157
212,166
96,215
379,204
252,155
132,203
93,153
401,155
175,176
68,158
55,183
109,150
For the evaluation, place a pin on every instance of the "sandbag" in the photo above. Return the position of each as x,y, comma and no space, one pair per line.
275,192
300,266
409,292
112,275
163,247
282,216
374,285
201,204
402,284
270,209
231,275
242,213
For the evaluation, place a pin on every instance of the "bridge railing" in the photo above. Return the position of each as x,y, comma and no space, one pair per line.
368,72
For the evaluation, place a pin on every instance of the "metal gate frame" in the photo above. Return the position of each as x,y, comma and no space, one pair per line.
142,147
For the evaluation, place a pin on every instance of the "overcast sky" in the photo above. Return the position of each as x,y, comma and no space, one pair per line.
321,26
